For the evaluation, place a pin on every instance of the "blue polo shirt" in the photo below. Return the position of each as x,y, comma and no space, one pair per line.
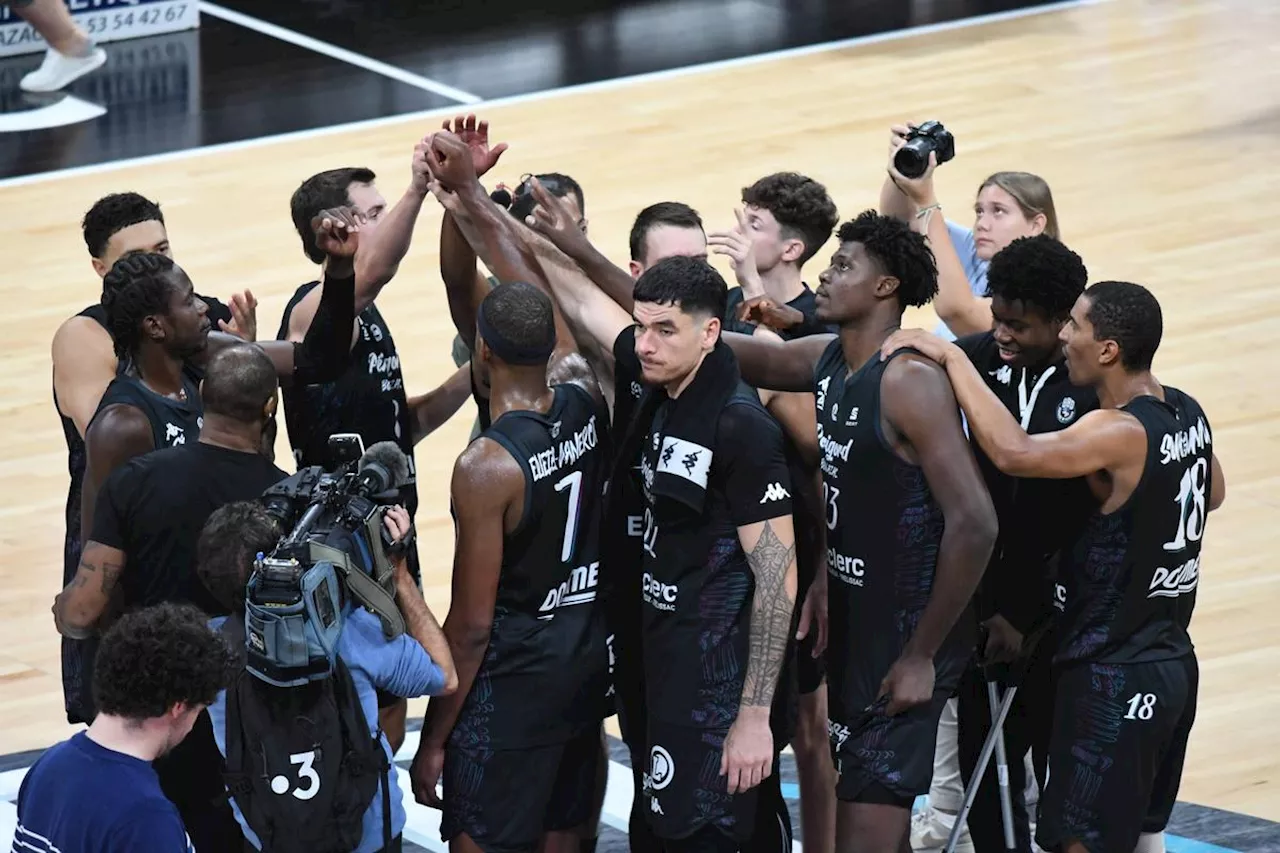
975,269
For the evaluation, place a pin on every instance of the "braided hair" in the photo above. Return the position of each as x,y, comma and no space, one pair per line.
137,287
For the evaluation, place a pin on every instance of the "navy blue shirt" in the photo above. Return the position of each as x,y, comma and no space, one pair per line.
80,796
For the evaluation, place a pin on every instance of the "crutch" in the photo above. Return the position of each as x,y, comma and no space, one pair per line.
1000,705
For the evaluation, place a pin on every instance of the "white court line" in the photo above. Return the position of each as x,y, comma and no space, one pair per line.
339,53
406,118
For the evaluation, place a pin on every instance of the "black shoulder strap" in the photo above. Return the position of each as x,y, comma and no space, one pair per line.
298,295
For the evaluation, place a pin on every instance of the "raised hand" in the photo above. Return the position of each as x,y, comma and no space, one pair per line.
338,231
244,317
475,135
419,171
552,219
450,161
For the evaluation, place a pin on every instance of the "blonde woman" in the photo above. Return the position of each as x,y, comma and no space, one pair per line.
1009,205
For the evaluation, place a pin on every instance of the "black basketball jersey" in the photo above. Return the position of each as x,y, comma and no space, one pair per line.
1131,578
1038,517
884,530
77,655
368,399
543,678
173,422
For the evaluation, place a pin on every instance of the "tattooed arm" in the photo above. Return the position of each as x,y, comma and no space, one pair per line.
758,487
78,609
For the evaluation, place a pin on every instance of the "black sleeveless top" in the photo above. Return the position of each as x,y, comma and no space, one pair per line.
1039,517
1131,578
368,399
884,531
545,674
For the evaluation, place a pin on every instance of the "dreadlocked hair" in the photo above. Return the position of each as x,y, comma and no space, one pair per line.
900,252
136,287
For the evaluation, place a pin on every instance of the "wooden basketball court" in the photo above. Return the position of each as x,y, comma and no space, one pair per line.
1156,123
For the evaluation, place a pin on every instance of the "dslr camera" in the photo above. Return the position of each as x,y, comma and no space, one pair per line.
912,159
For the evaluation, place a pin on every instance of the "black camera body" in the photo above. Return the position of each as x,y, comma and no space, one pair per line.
912,159
339,507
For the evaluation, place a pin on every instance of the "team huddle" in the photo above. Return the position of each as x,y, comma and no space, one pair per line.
737,519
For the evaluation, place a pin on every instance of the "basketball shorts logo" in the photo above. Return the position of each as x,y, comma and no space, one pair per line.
661,768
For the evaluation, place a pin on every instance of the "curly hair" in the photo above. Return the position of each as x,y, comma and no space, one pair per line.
801,205
154,658
691,283
900,252
137,287
1130,315
113,213
1038,271
516,319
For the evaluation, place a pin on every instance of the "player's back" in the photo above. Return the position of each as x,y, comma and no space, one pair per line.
884,534
1131,578
544,675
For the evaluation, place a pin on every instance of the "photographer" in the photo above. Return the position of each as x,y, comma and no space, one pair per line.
1009,205
412,664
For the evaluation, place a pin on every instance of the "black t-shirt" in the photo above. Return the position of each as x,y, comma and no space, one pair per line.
696,584
805,303
1038,517
1131,579
154,507
544,676
884,532
368,399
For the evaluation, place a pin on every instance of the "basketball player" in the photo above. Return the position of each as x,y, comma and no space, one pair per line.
159,327
1032,284
84,363
369,397
1127,674
519,743
910,525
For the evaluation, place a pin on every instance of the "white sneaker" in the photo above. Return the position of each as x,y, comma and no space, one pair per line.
58,71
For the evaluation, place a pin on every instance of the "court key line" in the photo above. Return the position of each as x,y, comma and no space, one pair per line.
342,54
421,115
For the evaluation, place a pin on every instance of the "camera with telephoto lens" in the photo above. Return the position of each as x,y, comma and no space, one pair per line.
336,515
912,159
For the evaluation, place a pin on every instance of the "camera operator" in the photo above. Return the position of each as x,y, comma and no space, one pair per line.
1009,205
142,549
413,664
155,672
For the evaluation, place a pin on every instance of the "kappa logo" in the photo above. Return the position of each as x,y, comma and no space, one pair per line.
1066,410
174,435
1004,375
775,492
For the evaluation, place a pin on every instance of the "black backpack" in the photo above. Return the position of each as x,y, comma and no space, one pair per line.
300,763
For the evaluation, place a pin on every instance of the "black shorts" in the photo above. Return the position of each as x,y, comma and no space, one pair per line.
883,759
683,789
507,799
1115,756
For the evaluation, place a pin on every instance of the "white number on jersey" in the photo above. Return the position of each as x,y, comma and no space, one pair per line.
831,493
1191,505
573,483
